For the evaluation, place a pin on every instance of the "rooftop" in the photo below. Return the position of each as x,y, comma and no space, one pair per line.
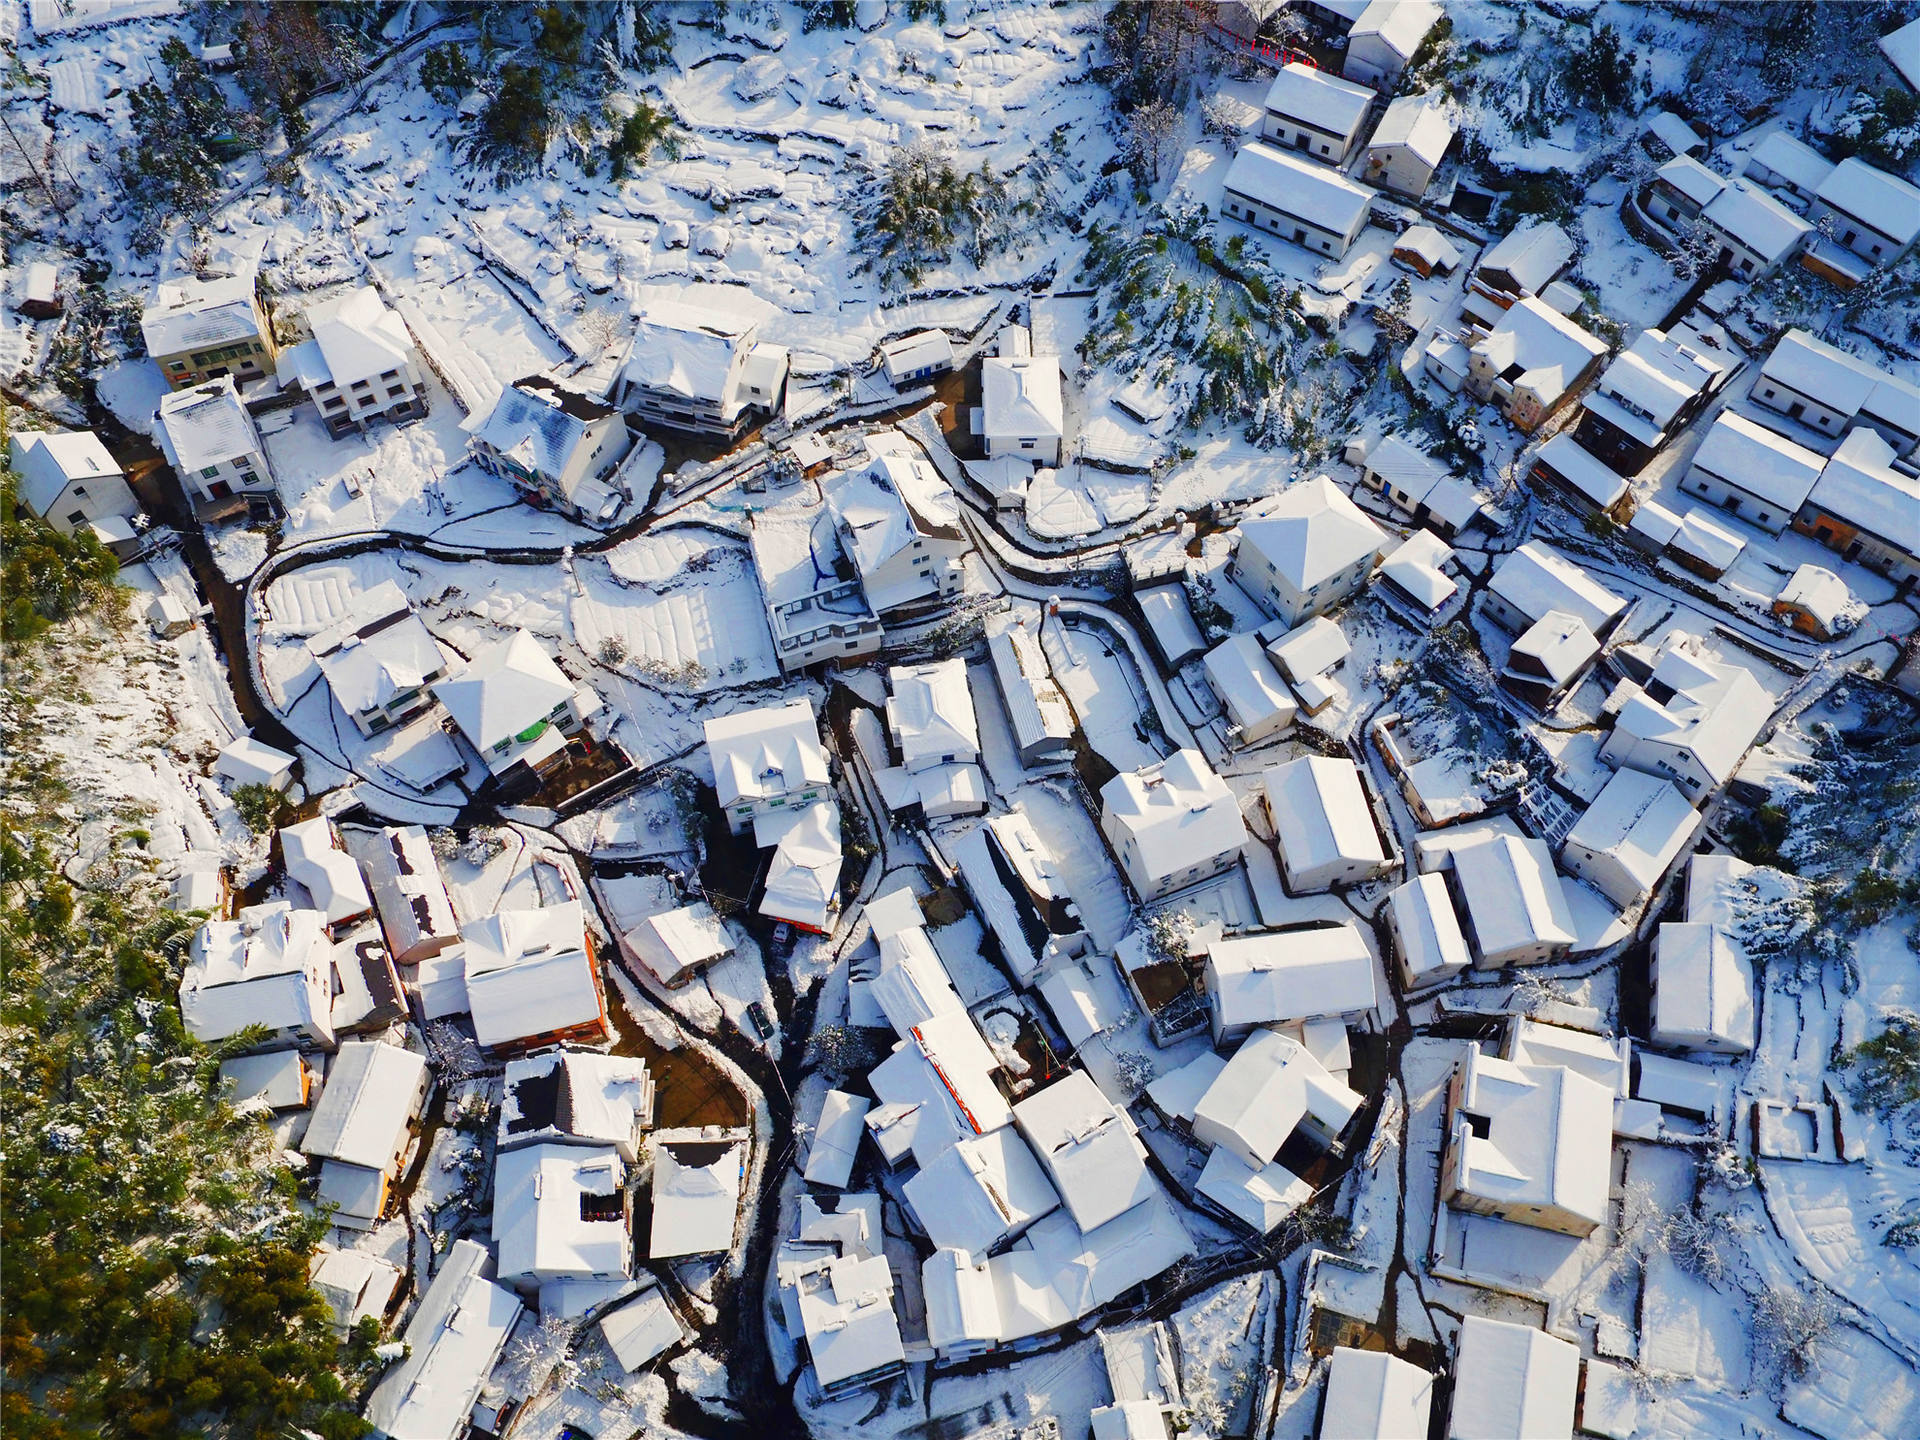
1323,101
1318,194
1088,1147
1311,532
1177,812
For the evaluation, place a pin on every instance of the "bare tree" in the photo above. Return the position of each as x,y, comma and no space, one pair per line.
1152,131
1790,1323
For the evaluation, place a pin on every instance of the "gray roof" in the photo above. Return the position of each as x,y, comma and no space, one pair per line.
538,424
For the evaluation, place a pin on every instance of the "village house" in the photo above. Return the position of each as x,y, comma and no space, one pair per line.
277,1080
1692,720
1534,581
836,1139
802,886
1315,113
1257,702
1524,262
270,966
1386,37
1650,393
200,330
576,1097
1702,978
360,367
1374,1396
69,480
1314,206
1510,895
1088,1148
1781,162
1821,385
1756,233
1751,472
1865,510
1280,977
1682,188
1425,251
515,708
899,523
1269,1089
1413,574
1624,843
981,1192
362,1127
331,877
409,892
1664,134
643,1329
562,1220
696,363
677,944
1019,887
767,762
247,761
379,659
1417,483
210,440
1528,1143
1589,483
557,446
1043,721
916,357
1307,655
36,291
356,1286
935,1088
963,1315
1172,825
1872,213
930,714
1512,1381
1816,602
1426,933
1323,826
816,609
836,1295
698,1176
912,985
1303,552
1550,659
450,1347
1022,414
1259,1199
1170,626
1533,362
1409,143
532,979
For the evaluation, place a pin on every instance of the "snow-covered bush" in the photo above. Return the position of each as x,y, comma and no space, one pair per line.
923,208
1791,1323
1886,1067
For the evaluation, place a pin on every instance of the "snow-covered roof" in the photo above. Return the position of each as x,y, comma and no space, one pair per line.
677,942
1310,532
539,423
277,1079
199,314
1652,378
1547,1141
1276,976
1271,1083
378,649
1035,703
327,873
48,463
1085,994
452,1342
917,351
529,973
688,346
1261,1198
1176,1093
1317,194
1170,618
1702,536
1703,987
1400,24
1572,463
1800,164
1870,195
1415,568
1177,812
1438,252
369,1099
1323,101
918,1113
697,1177
1759,461
766,752
1535,580
579,1095
1056,1273
1539,348
359,337
1089,1148
207,425
1673,132
1530,255
965,1068
931,713
962,1308
1512,893
1902,49
803,879
845,1305
1841,382
267,967
1431,941
1311,648
980,1191
504,691
1691,179
546,1225
1247,684
1021,398
1756,220
1129,1420
912,984
1641,821
354,1284
642,1330
1320,813
1713,710
1859,485
1513,1380
836,1139
1559,644
1405,467
404,876
1821,594
1422,123
1375,1396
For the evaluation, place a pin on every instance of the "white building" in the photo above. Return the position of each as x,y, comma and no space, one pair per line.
1510,895
983,1190
1409,143
916,357
1650,393
935,1088
560,1216
247,761
1413,573
270,966
1781,162
1323,825
557,446
1258,704
1057,1273
1864,509
379,659
1170,624
696,362
452,1343
210,440
836,1139
1172,824
576,1097
1757,234
963,1313
930,714
1305,551
514,706
1314,206
1043,721
1281,977
1088,1148
69,480
899,523
642,1330
532,979
330,876
1532,362
356,1286
803,878
1385,38
1625,842
698,1174
1260,1199
416,914
1692,722
816,609
1752,472
1534,581
1872,213
1702,978
1821,385
767,762
676,944
360,367
1427,937
1528,1143
1374,1396
1315,113
1308,654
1271,1087
845,1307
1022,413
362,1127
1416,483
1512,1382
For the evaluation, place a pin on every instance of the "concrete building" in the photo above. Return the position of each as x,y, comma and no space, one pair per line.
210,440
1872,213
1385,38
767,762
1510,897
1864,509
360,367
200,330
1284,977
558,447
1316,114
1172,825
1817,384
1533,362
696,362
1323,825
1409,143
69,480
1314,206
1306,550
899,523
1634,831
1528,1143
1534,581
380,660
1692,721
1751,472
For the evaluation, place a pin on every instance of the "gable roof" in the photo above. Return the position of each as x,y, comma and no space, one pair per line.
1035,703
1422,123
539,423
379,648
206,425
506,689
529,973
1268,1086
1756,220
452,1342
687,346
1320,812
1530,254
1400,24
1802,165
1246,683
1640,821
979,1191
1758,461
366,1104
1536,580
1512,893
1415,568
1374,1396
1548,1140
1317,194
1859,485
1323,101
1574,465
1870,195
1559,645
1310,532
1089,1148
1841,381
48,463
189,314
359,337
1512,1380
1428,929
1273,977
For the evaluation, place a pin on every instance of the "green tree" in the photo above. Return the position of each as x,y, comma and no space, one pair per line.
445,74
517,124
1603,72
648,128
172,168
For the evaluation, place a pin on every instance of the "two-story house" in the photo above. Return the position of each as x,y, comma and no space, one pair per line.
200,330
210,440
557,446
696,362
360,367
1303,552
